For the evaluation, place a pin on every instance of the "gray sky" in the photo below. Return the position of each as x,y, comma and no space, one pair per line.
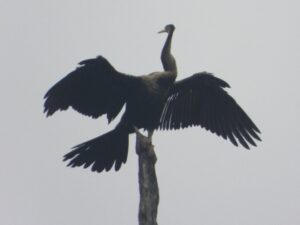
253,45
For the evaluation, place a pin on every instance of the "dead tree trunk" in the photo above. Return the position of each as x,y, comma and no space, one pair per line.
149,194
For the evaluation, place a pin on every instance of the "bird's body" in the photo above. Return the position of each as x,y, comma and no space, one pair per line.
153,101
145,107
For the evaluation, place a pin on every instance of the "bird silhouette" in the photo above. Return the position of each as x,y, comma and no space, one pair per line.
153,101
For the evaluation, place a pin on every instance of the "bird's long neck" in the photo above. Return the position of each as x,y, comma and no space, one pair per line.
167,58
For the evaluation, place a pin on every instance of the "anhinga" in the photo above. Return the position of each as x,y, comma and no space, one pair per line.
153,101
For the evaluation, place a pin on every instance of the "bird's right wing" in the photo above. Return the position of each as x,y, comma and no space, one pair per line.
93,89
200,100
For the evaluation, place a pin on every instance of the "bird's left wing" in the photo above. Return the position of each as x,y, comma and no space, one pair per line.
93,89
201,100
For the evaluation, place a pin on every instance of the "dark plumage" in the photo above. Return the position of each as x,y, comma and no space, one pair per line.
154,101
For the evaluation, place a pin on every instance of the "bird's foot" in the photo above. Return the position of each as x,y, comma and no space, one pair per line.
137,130
144,144
150,134
138,133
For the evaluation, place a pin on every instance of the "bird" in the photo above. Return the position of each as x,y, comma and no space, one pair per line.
155,101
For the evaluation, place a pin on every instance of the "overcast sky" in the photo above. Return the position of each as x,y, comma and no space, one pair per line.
253,45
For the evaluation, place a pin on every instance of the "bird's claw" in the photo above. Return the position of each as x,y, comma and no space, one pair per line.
137,130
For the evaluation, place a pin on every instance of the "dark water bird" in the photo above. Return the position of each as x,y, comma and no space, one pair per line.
153,101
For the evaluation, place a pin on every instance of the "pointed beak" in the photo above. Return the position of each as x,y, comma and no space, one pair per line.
162,31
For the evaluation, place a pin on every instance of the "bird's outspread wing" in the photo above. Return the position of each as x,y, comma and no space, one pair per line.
201,100
93,89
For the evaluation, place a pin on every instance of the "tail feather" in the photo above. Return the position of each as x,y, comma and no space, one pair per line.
101,152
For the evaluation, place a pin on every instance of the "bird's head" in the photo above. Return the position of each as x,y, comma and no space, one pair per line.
168,28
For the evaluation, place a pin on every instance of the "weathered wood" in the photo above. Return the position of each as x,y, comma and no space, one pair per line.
149,193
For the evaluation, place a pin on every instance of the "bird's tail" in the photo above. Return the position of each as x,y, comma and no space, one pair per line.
101,152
